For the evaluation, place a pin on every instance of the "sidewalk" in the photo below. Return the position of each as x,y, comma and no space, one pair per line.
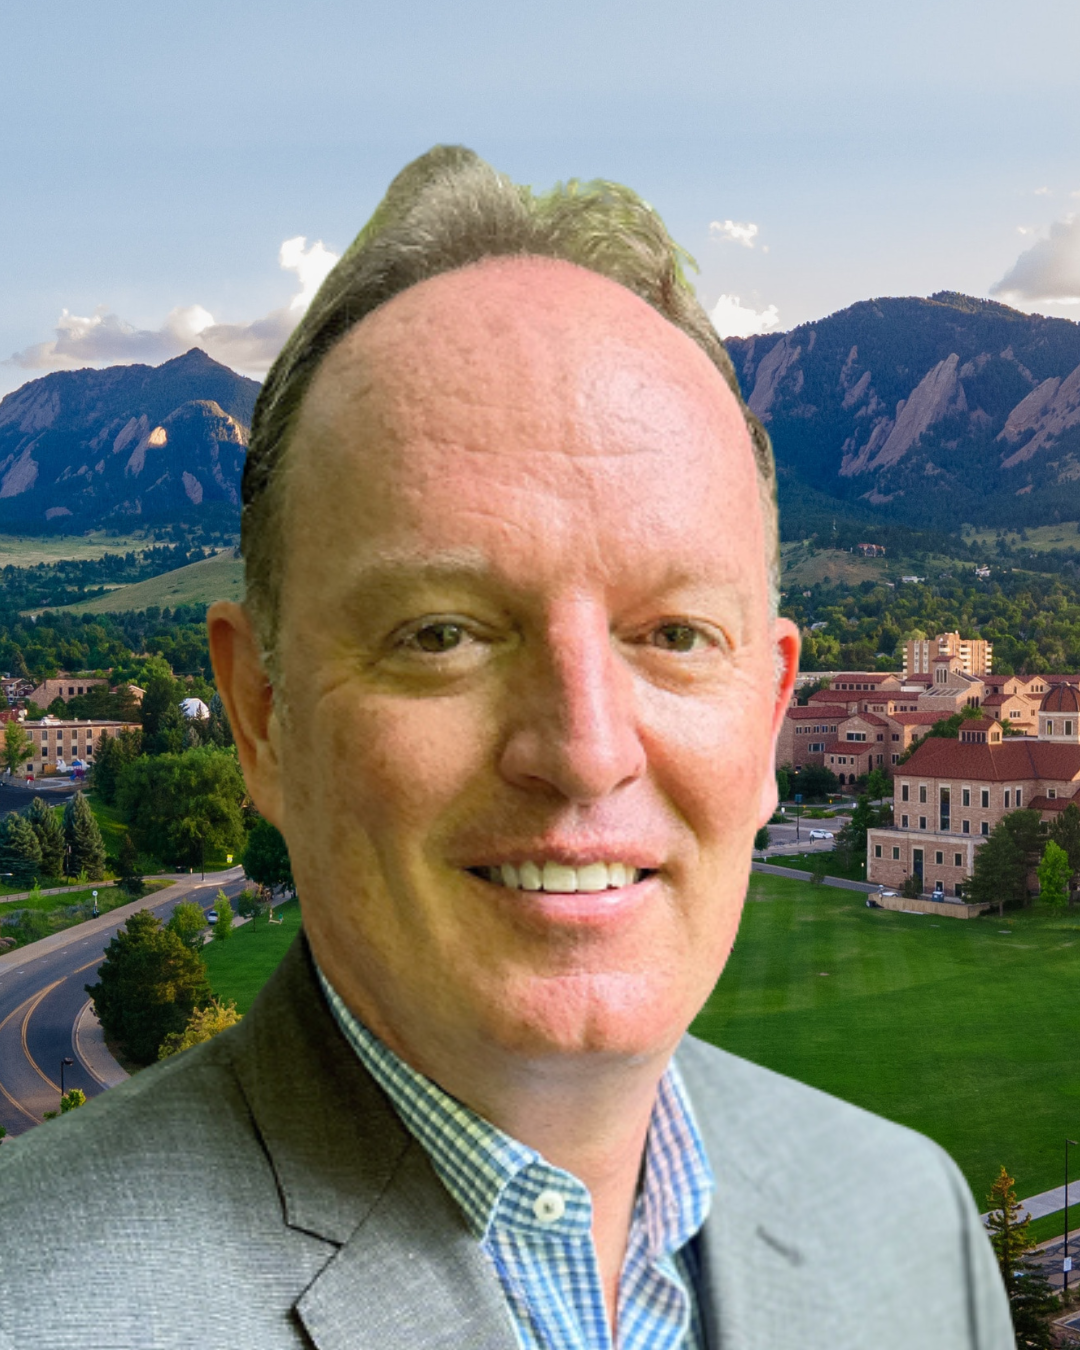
58,890
865,886
1050,1202
89,1040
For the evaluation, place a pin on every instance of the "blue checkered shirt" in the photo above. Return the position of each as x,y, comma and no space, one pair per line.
534,1221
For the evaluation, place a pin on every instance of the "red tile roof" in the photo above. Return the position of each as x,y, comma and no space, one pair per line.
873,719
1015,758
1049,803
836,696
817,710
863,676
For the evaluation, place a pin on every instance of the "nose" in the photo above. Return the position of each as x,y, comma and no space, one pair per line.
573,723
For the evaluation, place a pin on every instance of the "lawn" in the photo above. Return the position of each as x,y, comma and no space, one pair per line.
833,863
241,965
950,1026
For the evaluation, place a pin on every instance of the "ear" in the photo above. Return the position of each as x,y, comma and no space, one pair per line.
248,696
786,640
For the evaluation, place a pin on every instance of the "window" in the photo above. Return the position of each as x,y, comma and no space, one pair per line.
1049,728
922,793
965,827
965,796
1014,712
1008,798
1051,793
939,858
1019,796
895,758
877,850
922,822
896,735
958,860
896,853
985,827
856,735
903,822
985,798
944,808
1068,728
903,792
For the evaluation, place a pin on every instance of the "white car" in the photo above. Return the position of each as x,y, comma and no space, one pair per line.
821,834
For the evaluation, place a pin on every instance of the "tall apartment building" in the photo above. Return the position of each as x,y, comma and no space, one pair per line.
975,654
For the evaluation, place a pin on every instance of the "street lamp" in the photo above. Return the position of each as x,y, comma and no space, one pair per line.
1066,1260
65,1063
94,894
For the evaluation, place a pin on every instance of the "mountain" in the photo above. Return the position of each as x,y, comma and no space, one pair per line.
921,412
123,446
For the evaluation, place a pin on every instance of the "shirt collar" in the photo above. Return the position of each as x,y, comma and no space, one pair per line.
497,1181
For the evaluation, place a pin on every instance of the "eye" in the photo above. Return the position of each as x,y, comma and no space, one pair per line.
438,637
678,637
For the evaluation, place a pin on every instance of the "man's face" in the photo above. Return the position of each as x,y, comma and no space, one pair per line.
528,687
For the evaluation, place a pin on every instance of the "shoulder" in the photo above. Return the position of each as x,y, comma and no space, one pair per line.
785,1135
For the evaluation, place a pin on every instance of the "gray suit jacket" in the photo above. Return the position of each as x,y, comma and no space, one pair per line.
259,1193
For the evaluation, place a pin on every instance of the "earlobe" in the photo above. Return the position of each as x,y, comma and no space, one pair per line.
249,701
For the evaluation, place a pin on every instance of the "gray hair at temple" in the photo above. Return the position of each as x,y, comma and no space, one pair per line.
447,210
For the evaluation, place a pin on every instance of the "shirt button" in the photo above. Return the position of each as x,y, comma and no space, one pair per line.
549,1207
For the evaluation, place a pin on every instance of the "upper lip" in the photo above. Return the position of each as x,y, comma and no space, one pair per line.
631,855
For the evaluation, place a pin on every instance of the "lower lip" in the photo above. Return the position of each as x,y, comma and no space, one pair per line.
581,910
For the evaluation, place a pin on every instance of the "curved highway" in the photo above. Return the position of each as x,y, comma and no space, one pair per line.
42,997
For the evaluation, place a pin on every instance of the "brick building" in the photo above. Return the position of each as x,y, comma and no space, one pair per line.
951,793
57,743
65,687
975,655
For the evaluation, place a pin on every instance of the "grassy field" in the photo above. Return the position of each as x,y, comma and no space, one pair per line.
1040,537
217,578
240,966
956,1028
831,862
27,551
953,1027
801,565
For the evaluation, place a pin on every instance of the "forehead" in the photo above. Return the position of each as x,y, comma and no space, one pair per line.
514,388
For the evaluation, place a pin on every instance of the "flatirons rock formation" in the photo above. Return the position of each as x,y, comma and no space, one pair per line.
124,446
925,412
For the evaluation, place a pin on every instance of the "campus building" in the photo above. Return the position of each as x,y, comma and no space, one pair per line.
974,654
55,743
950,794
65,687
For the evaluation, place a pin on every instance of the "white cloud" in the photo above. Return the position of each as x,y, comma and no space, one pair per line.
1042,192
732,231
733,319
1049,270
104,338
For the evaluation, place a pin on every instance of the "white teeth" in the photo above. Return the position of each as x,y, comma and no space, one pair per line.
531,878
557,877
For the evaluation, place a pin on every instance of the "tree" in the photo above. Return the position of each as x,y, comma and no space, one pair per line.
266,857
182,808
220,731
999,876
224,926
112,753
203,1025
1054,875
148,986
163,722
85,848
1065,832
911,888
1031,1301
20,852
70,1101
250,904
851,841
783,783
815,780
127,866
761,839
50,836
188,922
17,746
878,785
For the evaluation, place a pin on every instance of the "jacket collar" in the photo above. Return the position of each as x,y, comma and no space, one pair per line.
404,1271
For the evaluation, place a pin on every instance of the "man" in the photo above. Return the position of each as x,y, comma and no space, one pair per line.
508,678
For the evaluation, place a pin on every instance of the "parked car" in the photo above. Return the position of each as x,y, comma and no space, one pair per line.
211,916
821,834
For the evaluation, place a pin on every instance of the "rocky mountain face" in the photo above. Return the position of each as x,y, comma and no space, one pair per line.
923,412
124,446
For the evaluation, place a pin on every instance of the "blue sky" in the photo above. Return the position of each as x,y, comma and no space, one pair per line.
155,158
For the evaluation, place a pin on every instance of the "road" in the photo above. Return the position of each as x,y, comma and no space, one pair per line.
15,796
42,996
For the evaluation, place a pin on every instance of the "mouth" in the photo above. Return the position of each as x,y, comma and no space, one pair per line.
560,879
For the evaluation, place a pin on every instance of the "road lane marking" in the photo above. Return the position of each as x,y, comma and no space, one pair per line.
37,998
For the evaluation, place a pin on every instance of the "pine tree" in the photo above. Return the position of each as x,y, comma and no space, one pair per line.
1065,832
85,848
1031,1301
999,876
127,866
20,852
50,836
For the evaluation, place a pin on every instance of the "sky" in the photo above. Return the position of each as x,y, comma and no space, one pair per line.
185,173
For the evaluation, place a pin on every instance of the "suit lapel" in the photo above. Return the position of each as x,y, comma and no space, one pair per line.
403,1270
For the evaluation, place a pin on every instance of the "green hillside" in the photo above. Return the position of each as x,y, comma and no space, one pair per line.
217,578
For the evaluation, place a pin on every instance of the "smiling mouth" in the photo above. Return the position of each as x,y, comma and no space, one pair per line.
559,879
